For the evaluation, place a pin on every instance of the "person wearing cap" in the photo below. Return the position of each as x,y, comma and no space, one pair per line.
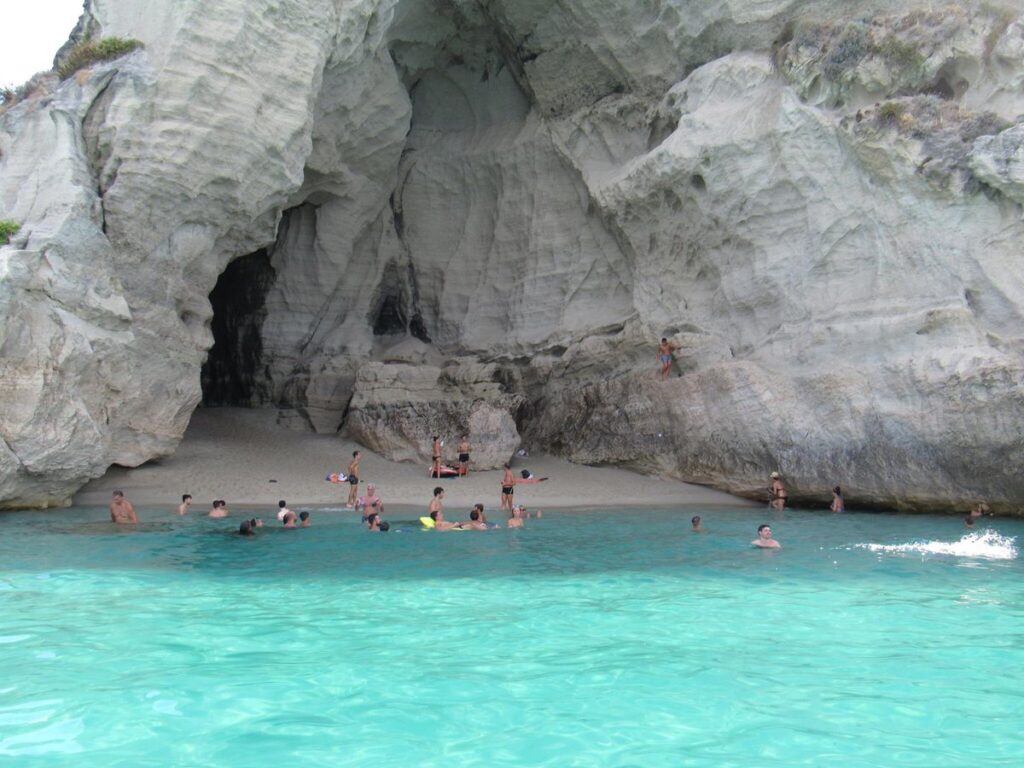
777,492
371,502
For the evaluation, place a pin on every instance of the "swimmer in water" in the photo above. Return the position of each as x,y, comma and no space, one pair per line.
304,518
695,524
121,510
373,522
436,511
764,538
282,510
289,520
186,502
474,523
245,528
219,509
515,519
969,521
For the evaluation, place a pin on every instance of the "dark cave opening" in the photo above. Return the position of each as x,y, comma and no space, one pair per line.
229,375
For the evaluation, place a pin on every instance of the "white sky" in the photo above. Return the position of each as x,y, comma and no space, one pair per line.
33,31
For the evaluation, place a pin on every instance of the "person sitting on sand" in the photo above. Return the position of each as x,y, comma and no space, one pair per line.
304,518
764,538
371,502
121,510
777,492
695,524
186,502
219,509
838,505
289,520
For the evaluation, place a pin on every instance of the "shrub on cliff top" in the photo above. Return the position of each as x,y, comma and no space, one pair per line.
8,229
93,51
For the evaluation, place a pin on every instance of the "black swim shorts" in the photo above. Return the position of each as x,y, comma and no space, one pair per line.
506,490
353,479
463,457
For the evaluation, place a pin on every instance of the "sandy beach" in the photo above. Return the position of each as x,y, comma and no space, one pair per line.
243,456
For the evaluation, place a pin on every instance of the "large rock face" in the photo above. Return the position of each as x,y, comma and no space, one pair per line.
457,215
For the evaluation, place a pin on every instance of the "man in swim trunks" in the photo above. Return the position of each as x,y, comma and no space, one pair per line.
665,350
371,502
777,492
121,510
435,457
186,502
353,479
764,538
508,488
464,456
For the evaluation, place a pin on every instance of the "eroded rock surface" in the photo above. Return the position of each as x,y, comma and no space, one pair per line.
483,216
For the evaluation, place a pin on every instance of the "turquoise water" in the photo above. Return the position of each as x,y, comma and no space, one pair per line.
597,639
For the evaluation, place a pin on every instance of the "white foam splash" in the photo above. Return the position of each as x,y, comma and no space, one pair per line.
987,544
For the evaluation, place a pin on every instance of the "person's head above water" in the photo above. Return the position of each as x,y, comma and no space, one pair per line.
837,491
370,488
186,497
282,504
303,516
764,531
438,490
478,506
384,527
969,521
695,521
474,515
776,475
117,495
245,529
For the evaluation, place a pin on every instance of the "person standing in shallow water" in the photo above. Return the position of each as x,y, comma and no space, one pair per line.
777,492
838,505
353,479
665,350
121,510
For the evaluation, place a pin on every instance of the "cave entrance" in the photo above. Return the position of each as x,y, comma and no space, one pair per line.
233,372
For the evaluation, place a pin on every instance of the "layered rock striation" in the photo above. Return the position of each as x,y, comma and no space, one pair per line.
397,218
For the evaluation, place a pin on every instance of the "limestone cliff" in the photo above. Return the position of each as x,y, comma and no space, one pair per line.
420,215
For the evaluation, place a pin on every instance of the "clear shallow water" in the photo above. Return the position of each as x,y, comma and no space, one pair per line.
604,639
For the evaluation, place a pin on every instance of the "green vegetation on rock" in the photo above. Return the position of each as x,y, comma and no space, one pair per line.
91,52
8,229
